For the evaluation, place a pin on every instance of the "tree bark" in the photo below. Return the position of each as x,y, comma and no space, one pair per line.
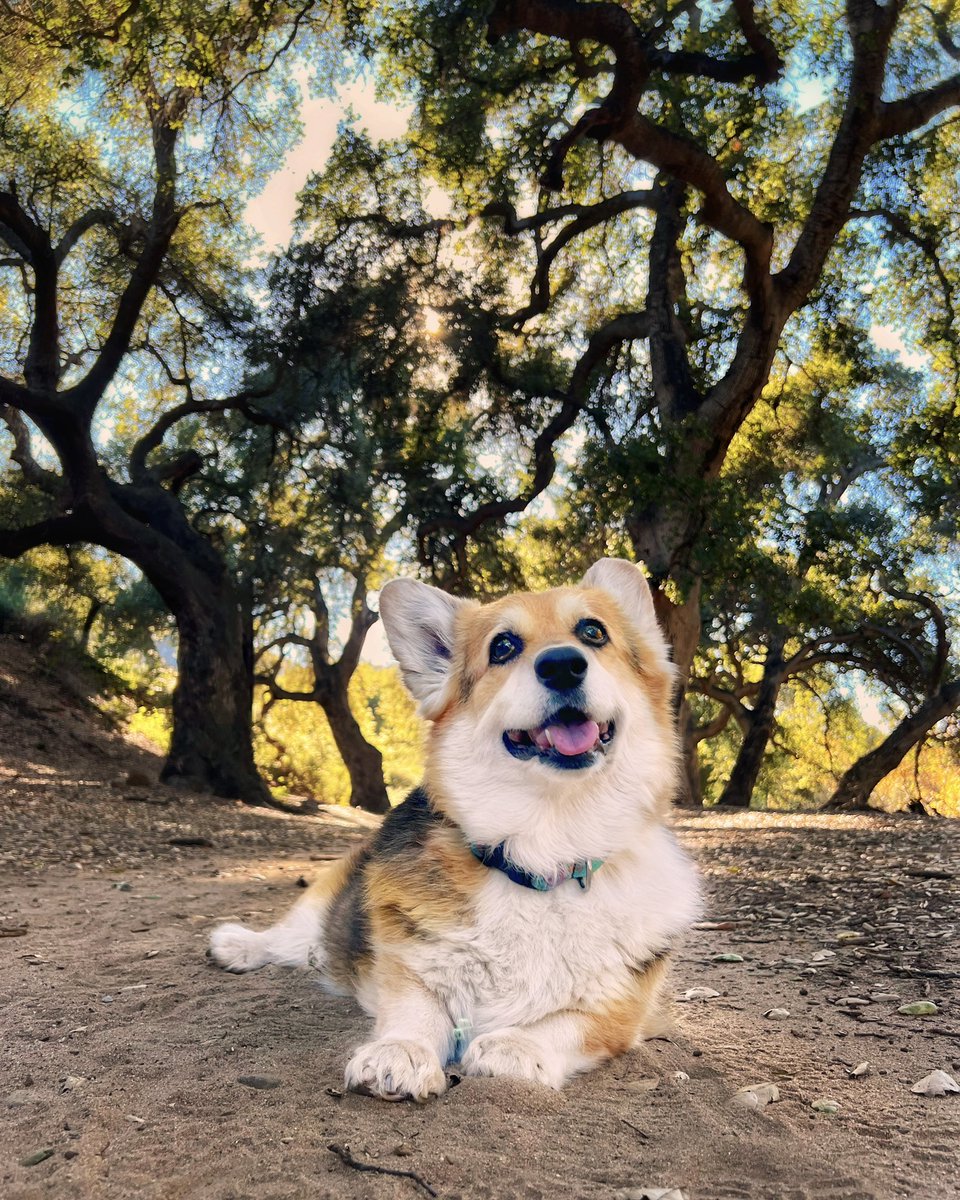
681,625
363,761
691,786
743,778
856,787
211,749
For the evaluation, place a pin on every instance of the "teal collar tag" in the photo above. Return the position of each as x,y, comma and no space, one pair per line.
494,857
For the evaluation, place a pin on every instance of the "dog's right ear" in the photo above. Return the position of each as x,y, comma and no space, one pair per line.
419,622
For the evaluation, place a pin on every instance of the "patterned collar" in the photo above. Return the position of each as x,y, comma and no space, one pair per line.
493,856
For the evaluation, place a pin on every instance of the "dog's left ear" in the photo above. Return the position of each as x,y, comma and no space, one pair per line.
419,622
627,584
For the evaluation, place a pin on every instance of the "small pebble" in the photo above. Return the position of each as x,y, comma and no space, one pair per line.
261,1082
38,1156
919,1008
700,993
757,1095
777,1014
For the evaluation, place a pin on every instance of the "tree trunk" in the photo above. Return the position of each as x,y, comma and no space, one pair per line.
212,745
743,778
691,786
681,624
858,782
363,761
92,613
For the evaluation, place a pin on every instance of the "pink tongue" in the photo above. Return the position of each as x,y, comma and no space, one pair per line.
575,739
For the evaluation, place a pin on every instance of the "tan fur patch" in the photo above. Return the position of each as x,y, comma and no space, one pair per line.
617,1027
422,895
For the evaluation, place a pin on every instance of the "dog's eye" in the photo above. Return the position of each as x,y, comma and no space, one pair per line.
591,632
504,647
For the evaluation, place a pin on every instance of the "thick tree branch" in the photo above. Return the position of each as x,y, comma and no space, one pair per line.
912,112
871,28
673,387
54,531
703,733
362,618
320,642
728,699
42,365
684,159
858,783
153,438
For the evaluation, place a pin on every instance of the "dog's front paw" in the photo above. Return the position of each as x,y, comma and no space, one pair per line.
395,1069
512,1052
236,948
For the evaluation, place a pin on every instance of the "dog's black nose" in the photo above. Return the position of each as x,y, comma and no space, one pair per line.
561,668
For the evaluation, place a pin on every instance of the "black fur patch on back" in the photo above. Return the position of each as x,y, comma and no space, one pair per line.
404,829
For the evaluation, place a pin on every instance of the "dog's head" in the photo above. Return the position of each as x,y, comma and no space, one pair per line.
551,711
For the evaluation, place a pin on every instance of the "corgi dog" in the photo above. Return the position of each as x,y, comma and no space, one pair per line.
516,913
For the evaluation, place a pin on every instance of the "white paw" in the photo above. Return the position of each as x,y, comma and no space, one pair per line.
394,1069
514,1053
236,948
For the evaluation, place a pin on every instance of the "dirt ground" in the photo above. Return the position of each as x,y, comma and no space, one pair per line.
130,1067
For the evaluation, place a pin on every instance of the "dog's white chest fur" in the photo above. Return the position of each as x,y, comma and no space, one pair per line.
528,954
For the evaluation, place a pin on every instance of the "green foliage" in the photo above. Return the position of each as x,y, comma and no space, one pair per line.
820,734
297,753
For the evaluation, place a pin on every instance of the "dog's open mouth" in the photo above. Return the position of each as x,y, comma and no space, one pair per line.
569,738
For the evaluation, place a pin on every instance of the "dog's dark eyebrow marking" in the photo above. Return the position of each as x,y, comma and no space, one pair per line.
440,648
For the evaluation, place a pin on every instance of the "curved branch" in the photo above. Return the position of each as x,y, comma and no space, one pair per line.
861,124
362,619
689,162
94,217
165,218
153,438
47,481
913,112
626,327
740,712
585,217
42,366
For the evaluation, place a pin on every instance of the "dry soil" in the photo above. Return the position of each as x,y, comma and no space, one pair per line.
131,1067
